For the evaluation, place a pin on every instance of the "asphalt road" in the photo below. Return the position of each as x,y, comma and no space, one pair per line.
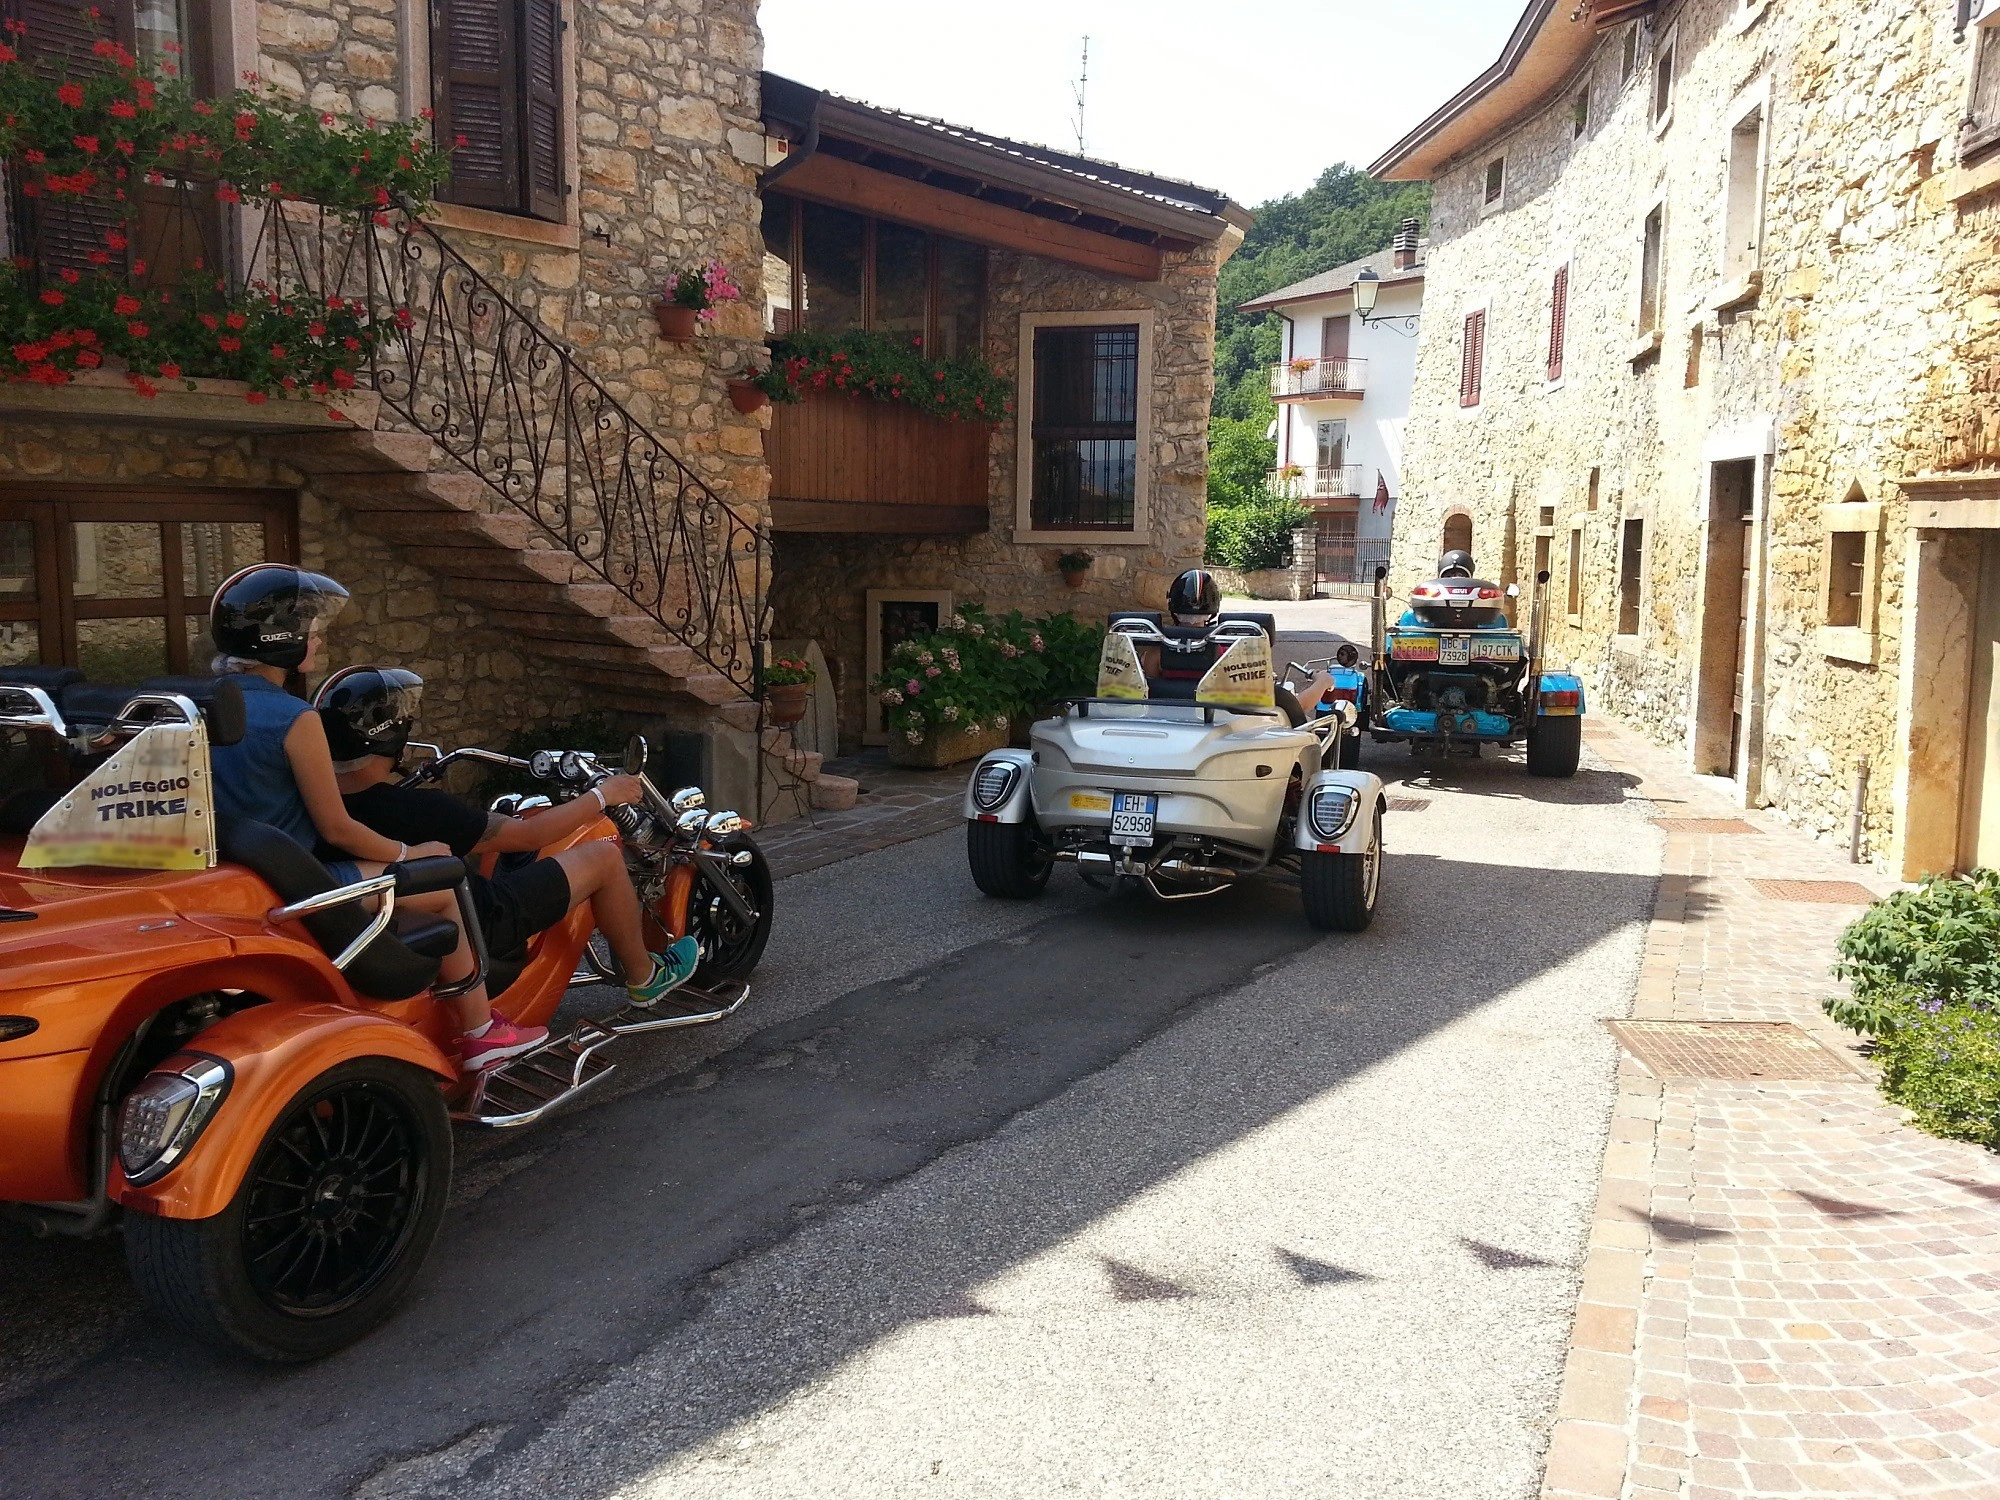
1084,1195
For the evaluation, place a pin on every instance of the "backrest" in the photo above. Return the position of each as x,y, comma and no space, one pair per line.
385,969
1266,623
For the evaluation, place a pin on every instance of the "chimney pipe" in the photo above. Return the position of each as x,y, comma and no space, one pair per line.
1405,245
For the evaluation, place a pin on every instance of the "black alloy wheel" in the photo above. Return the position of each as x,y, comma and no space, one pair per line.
327,1229
731,947
332,1199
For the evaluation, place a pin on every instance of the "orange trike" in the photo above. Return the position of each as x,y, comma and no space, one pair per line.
245,1066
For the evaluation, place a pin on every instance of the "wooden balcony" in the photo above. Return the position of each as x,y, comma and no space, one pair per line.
855,464
1319,380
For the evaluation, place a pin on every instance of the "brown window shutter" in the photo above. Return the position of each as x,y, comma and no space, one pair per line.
62,232
1472,359
473,90
1558,322
541,136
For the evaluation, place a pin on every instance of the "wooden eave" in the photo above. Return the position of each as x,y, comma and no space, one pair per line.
1546,45
831,179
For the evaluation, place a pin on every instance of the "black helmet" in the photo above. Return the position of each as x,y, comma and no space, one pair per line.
266,613
369,711
1455,564
1194,594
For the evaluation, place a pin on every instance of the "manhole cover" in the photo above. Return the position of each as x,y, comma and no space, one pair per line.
1408,804
1727,1049
1832,892
1703,825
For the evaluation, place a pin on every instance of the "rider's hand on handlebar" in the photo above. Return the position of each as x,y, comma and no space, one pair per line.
621,790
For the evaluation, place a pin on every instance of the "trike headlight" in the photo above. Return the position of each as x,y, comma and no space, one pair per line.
1331,811
167,1112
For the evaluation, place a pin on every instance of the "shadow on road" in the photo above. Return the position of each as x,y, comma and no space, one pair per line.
590,1241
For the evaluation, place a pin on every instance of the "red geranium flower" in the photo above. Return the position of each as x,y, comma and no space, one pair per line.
225,192
316,330
71,94
228,345
235,320
255,398
126,305
137,330
53,297
344,379
124,109
170,371
116,240
143,386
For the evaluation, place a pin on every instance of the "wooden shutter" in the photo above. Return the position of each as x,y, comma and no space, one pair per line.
541,134
1333,335
473,90
62,232
1558,322
1472,359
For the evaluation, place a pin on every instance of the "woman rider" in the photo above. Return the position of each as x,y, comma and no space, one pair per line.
270,619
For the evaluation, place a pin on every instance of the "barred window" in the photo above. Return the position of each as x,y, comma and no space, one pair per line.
1086,428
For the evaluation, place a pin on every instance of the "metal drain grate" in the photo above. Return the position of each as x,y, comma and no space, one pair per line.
1703,825
1727,1049
1831,892
1408,804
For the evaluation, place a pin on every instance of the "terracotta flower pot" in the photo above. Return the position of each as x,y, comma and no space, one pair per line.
787,702
746,396
1074,577
677,323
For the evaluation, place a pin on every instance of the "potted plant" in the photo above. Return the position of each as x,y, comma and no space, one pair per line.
748,393
788,686
1301,364
691,299
1075,568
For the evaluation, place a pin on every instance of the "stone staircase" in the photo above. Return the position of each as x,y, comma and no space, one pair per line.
402,488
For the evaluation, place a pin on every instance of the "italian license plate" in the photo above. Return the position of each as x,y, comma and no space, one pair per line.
1132,815
1454,651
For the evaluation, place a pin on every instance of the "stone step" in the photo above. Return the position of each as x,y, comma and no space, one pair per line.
563,623
739,713
803,764
833,793
354,452
454,529
444,490
489,563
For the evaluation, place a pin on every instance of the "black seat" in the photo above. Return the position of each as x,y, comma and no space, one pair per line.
422,932
50,680
389,968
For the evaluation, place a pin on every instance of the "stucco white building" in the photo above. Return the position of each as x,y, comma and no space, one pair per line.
1343,394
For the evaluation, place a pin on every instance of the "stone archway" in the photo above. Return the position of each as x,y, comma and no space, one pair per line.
1457,532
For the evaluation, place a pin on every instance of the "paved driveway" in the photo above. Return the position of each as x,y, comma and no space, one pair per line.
1085,1195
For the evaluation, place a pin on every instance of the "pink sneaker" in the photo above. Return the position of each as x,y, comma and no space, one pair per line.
500,1041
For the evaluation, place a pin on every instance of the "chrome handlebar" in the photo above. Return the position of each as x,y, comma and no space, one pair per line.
1226,631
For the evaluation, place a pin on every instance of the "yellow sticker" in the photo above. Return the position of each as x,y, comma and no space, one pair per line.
1089,802
1242,678
1118,672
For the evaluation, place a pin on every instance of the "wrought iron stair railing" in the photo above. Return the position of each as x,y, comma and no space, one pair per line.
458,360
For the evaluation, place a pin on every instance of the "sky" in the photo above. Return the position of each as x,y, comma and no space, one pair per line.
1253,97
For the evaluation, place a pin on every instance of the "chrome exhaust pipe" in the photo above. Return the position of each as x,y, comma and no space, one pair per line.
1182,868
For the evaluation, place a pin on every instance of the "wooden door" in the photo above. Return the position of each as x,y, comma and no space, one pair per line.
1738,698
1979,827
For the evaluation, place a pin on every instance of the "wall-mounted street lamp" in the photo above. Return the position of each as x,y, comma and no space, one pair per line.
1367,288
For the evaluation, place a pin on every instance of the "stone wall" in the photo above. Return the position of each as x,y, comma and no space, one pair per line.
668,143
821,584
479,688
1828,379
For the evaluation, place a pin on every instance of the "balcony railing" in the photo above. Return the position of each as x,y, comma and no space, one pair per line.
1319,482
460,363
1319,377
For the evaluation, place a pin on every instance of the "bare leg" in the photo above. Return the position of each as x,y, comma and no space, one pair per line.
472,1008
596,872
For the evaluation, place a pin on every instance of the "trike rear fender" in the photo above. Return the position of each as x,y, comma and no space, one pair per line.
1017,806
1360,833
273,1051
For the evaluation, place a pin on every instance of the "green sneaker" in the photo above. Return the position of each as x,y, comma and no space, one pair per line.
674,967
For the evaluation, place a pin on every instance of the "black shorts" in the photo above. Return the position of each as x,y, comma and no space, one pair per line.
518,903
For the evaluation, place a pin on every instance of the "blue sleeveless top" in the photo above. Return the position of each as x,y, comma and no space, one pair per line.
252,778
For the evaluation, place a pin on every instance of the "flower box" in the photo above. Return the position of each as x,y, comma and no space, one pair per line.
945,748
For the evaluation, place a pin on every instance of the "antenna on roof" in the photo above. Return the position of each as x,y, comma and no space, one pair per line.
1078,88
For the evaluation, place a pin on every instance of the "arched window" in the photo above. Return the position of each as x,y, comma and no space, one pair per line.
1457,533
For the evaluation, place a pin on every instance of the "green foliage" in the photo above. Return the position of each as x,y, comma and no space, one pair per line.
1254,535
1239,458
1342,217
981,671
1924,966
889,367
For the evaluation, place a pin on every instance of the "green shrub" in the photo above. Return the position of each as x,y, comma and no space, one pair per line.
1253,536
1924,966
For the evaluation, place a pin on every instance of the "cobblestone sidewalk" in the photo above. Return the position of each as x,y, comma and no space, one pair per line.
1787,1291
895,805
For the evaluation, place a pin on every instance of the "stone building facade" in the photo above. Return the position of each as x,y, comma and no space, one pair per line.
1768,238
823,581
